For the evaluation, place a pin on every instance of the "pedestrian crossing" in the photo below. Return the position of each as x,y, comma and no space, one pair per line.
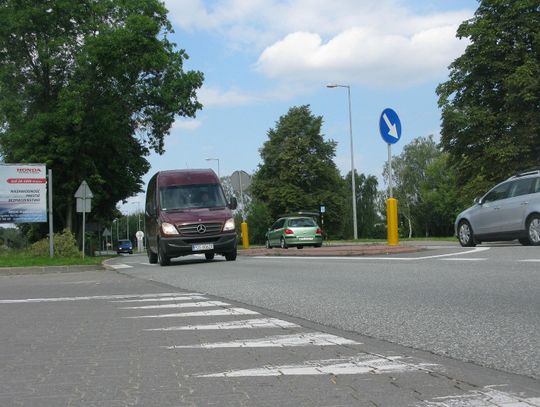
209,329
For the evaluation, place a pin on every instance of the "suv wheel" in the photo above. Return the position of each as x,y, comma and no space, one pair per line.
533,230
465,234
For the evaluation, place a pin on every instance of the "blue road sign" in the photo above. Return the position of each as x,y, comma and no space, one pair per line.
390,126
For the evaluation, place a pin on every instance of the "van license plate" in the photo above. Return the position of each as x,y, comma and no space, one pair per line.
201,247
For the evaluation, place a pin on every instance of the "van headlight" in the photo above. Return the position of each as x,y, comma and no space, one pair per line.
168,229
229,225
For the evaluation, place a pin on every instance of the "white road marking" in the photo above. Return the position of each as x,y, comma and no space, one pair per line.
182,305
466,259
164,299
243,324
211,313
120,266
530,261
436,256
484,397
94,297
279,341
360,364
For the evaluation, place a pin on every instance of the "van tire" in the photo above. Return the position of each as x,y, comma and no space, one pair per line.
231,256
163,260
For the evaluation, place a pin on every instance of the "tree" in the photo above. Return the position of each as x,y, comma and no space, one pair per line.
297,170
491,102
90,88
366,206
408,174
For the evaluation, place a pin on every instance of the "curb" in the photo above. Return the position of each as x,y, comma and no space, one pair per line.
333,251
13,271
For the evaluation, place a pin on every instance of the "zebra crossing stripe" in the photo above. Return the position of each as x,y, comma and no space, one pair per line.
182,305
484,397
303,339
243,324
87,298
210,313
360,364
165,299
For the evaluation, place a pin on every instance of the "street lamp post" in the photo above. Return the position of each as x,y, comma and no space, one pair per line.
215,159
353,188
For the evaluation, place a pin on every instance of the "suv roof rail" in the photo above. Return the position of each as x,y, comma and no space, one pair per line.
529,171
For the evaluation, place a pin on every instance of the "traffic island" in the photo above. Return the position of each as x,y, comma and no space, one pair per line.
333,250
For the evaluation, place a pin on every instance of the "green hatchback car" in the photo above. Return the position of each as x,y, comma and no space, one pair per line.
294,231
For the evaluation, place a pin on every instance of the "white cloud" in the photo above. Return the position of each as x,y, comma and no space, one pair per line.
369,42
215,97
362,56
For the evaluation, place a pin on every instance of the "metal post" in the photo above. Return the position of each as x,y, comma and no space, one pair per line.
51,231
389,170
353,186
83,222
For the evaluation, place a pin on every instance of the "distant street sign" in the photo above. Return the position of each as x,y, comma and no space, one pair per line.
84,191
139,235
390,126
240,181
107,233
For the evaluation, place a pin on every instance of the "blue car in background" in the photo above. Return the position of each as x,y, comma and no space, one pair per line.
124,246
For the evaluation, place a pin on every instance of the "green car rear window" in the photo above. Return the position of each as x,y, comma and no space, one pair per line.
302,222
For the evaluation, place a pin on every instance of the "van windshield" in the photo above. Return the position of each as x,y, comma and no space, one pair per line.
191,196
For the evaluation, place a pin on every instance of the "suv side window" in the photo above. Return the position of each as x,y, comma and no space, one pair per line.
537,187
497,193
522,187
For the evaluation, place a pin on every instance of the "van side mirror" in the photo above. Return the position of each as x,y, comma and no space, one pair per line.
234,203
478,201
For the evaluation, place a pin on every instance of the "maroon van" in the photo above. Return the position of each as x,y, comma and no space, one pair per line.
186,213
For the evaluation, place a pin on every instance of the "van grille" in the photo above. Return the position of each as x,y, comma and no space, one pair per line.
195,229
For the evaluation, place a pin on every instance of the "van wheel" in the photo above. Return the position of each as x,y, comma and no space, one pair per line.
163,260
465,234
152,257
209,256
231,256
533,230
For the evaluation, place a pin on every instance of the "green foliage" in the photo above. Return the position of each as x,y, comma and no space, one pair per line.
65,245
259,220
11,238
491,102
90,89
425,187
366,206
298,172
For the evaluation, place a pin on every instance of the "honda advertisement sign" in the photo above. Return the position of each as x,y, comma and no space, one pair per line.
23,193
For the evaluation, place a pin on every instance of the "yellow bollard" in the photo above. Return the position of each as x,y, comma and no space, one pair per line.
392,221
245,237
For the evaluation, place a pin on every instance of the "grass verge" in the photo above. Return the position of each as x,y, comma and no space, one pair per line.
24,259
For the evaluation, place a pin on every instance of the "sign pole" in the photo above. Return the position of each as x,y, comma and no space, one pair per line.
83,222
51,233
390,129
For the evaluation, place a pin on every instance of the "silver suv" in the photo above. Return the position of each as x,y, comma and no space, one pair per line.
510,210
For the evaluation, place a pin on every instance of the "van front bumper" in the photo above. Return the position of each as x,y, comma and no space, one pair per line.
177,246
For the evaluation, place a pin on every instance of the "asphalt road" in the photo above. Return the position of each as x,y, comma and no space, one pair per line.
393,331
480,305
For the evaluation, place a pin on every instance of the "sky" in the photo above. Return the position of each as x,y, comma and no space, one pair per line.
262,57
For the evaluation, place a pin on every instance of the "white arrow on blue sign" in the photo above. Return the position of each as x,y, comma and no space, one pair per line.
390,126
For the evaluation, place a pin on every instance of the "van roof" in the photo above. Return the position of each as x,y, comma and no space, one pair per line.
187,177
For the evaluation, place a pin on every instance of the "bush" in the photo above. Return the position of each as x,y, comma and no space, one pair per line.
65,245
